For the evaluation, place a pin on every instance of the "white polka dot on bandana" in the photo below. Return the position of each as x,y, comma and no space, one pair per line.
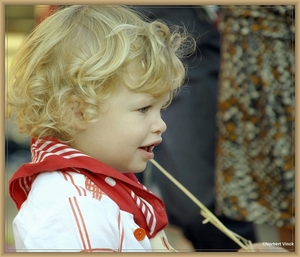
110,181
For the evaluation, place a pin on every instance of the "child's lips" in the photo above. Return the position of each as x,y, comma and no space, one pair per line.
150,147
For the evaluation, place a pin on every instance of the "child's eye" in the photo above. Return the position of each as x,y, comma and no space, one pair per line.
144,110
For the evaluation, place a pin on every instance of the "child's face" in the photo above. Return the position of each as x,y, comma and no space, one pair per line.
129,126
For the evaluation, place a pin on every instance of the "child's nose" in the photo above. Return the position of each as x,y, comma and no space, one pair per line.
159,126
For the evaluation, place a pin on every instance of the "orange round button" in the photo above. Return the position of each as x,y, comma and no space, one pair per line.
139,234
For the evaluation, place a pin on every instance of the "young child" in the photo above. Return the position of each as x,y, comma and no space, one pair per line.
88,85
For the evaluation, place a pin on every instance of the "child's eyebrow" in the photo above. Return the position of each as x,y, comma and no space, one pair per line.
145,99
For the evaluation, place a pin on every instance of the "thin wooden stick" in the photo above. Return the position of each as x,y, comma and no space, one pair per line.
207,214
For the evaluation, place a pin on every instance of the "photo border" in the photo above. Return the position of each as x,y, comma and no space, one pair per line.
152,2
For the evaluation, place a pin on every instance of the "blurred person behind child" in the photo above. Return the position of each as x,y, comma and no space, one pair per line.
88,85
255,118
188,151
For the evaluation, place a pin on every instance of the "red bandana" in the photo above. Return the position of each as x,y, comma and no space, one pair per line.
123,188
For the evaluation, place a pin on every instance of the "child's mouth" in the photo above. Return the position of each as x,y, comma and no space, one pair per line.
148,149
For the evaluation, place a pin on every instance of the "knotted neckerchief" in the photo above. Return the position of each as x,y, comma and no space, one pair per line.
123,188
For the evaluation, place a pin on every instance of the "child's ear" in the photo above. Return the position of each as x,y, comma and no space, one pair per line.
76,105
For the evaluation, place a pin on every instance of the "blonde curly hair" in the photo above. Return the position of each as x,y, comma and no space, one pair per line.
84,51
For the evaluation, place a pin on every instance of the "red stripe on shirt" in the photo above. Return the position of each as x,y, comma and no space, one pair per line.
80,223
68,177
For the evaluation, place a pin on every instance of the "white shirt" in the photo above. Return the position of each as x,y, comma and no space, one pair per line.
66,212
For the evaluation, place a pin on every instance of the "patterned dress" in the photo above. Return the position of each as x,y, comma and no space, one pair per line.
255,148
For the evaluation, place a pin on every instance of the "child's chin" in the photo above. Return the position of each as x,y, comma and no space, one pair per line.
139,168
